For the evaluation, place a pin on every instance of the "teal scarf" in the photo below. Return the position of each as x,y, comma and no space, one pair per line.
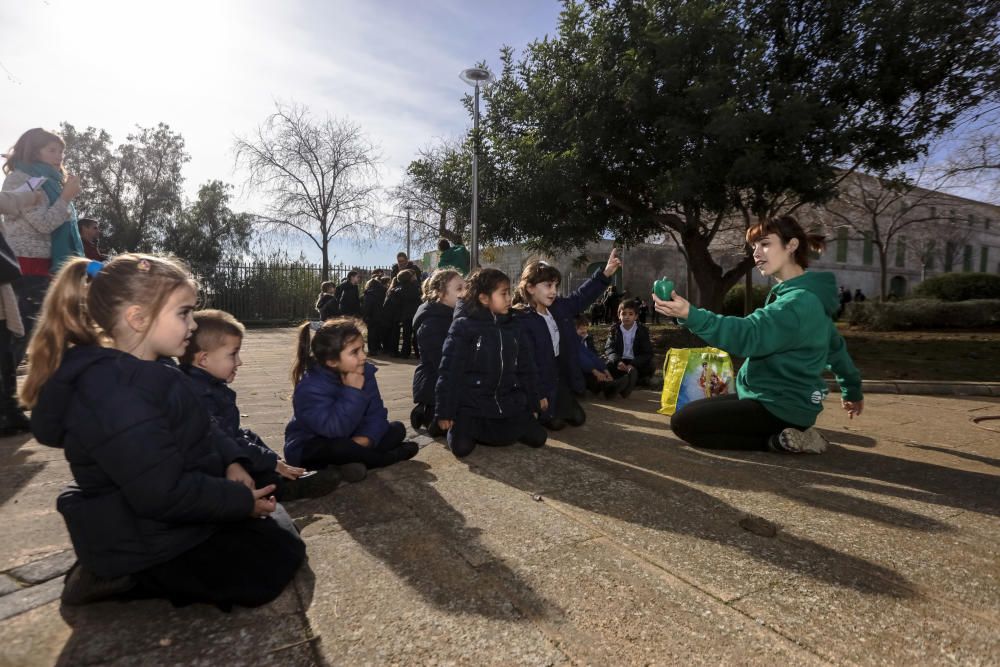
66,241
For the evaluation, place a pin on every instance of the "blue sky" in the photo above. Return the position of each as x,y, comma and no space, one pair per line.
211,69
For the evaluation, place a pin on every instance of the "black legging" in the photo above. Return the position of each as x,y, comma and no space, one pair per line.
468,430
319,453
727,422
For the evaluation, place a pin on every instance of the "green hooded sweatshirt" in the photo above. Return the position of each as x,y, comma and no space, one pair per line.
787,344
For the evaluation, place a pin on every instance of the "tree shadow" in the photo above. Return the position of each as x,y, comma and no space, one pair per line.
958,453
864,471
624,493
428,544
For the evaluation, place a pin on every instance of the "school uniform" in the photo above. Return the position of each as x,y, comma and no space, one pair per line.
371,312
150,498
554,344
633,347
487,383
431,324
348,299
400,307
328,413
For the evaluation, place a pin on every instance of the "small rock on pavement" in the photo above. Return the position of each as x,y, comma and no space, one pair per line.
47,568
758,526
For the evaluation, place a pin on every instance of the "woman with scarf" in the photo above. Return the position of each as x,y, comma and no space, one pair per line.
43,238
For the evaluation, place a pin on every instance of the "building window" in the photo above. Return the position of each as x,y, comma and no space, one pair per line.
842,244
984,259
949,257
929,256
868,254
933,211
901,252
967,258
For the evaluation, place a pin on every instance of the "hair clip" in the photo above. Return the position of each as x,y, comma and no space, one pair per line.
94,268
142,265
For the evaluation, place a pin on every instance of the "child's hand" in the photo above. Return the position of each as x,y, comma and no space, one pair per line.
606,377
677,307
287,471
446,424
614,263
263,502
356,380
544,404
853,408
71,188
622,366
236,473
362,440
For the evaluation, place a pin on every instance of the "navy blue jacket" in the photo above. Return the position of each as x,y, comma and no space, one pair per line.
402,302
431,324
373,303
324,407
327,306
148,463
642,347
564,309
348,299
220,401
589,359
486,368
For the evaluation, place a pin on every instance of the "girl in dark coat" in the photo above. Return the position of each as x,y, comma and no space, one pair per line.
549,323
161,504
431,323
371,312
486,390
400,306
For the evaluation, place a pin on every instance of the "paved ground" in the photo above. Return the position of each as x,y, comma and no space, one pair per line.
613,545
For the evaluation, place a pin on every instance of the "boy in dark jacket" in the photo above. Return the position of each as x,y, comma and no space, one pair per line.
628,346
326,304
598,379
400,307
210,361
347,297
371,313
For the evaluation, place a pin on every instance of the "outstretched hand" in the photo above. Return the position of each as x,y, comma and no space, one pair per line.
614,263
853,408
678,306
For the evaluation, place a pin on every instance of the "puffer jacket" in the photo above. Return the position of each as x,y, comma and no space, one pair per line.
148,463
486,369
431,324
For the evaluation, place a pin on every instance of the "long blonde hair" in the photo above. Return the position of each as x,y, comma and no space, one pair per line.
29,145
437,284
83,310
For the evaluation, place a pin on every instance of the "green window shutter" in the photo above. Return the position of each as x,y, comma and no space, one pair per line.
949,256
984,259
842,244
901,252
967,258
869,255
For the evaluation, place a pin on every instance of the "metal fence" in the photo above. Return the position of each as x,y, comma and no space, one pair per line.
272,293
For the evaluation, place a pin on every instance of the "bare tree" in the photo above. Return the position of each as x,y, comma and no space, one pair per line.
938,244
976,162
321,177
885,208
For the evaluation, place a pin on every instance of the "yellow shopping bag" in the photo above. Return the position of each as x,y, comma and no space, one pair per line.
694,373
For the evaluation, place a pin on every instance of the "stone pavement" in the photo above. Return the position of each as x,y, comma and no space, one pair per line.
612,545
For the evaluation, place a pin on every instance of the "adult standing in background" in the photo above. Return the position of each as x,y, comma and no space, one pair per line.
42,238
453,257
403,263
90,231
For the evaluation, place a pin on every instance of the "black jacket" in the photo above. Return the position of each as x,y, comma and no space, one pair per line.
487,369
642,347
327,306
410,266
374,302
148,463
402,303
348,299
220,401
431,324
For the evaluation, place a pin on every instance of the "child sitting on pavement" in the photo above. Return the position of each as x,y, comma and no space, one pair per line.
210,361
596,376
628,347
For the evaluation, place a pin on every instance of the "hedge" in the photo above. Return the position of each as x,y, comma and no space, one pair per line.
732,304
959,287
924,314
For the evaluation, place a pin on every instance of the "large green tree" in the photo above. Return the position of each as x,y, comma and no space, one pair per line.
644,117
208,231
135,188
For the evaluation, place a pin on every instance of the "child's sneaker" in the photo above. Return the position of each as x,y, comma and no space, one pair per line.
417,417
83,586
407,450
632,378
353,472
794,441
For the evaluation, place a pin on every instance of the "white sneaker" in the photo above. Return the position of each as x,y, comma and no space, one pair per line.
794,441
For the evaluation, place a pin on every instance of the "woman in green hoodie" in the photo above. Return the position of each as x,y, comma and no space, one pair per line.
787,345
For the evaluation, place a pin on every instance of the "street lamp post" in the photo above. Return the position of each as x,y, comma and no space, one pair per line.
408,209
474,76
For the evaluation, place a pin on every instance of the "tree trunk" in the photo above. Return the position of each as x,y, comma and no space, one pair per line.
326,259
712,283
748,294
883,273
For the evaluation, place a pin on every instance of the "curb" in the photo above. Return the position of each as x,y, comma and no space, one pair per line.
923,388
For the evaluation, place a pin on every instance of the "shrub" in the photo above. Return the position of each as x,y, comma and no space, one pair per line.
959,287
732,304
925,314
